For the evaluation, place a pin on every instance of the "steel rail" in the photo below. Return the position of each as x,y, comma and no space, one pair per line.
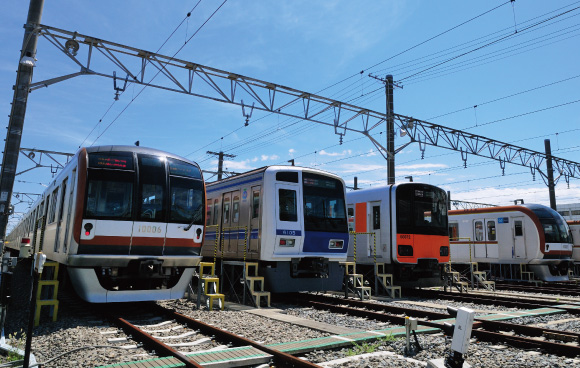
284,359
481,328
153,343
490,300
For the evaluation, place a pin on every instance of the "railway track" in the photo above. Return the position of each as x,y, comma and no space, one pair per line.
152,341
551,289
483,329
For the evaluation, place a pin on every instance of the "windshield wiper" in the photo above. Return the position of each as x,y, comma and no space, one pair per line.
196,217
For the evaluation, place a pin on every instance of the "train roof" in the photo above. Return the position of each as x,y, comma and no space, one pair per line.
274,168
539,210
137,149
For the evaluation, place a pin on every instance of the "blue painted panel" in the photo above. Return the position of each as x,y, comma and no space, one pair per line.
317,242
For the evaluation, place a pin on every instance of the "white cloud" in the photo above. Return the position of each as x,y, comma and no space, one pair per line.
273,157
332,154
237,165
291,152
422,166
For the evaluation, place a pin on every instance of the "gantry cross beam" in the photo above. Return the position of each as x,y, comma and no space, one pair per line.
93,56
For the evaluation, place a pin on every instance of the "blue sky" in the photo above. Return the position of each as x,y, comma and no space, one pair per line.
525,87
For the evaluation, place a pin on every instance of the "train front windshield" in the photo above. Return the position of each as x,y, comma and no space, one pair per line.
165,190
324,208
421,209
556,230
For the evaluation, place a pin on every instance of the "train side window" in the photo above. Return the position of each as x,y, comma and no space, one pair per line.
226,211
350,212
518,228
216,211
236,209
41,212
208,213
376,217
478,227
255,204
62,197
491,230
288,205
453,231
52,206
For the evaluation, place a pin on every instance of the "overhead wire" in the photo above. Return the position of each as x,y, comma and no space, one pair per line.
147,62
159,71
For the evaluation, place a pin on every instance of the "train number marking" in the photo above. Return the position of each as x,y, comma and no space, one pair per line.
405,237
149,229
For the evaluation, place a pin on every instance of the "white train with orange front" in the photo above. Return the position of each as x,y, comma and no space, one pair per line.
126,222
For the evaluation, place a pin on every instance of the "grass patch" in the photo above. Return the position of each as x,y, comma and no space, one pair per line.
368,347
17,340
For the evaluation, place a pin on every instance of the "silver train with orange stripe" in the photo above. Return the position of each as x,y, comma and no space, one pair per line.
503,238
403,226
127,222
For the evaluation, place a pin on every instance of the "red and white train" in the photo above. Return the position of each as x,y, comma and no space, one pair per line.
127,222
510,236
575,231
403,226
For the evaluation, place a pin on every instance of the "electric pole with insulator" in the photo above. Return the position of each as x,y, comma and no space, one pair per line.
221,156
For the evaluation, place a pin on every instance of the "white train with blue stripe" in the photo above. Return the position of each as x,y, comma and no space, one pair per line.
291,220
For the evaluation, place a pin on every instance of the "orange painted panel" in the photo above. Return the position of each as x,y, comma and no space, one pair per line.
360,213
424,246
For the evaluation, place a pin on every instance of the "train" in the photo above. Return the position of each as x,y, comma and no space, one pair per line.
290,220
507,239
403,226
575,233
126,222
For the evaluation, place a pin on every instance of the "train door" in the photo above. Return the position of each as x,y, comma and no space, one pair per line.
254,230
68,215
491,247
519,250
239,230
479,250
374,223
289,230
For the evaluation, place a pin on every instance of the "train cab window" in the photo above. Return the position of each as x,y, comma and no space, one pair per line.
186,197
478,230
518,228
226,210
491,230
288,176
255,204
152,188
453,231
109,196
288,205
236,209
376,217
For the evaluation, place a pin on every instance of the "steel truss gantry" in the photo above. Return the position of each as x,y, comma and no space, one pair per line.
189,78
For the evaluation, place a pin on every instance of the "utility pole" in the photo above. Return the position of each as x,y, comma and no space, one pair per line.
16,119
221,156
550,174
390,130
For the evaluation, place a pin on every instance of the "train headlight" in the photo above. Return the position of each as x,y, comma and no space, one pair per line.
287,242
88,228
444,251
405,250
336,244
